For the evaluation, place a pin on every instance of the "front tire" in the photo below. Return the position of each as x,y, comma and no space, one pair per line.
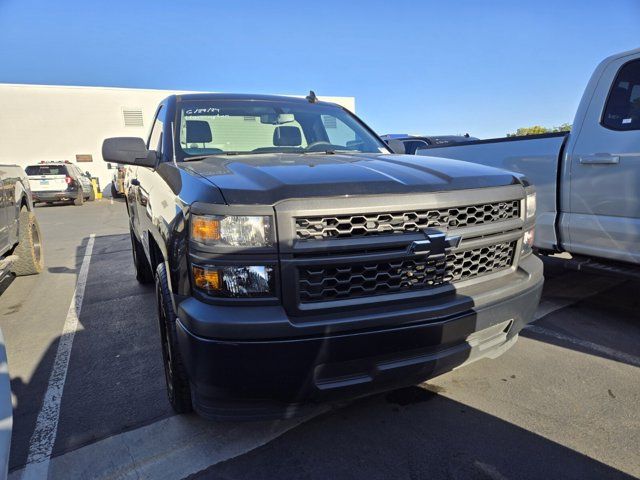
144,274
29,250
175,373
79,199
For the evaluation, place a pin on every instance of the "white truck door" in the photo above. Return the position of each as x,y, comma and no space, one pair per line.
603,217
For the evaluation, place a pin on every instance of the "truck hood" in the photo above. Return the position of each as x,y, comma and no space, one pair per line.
269,178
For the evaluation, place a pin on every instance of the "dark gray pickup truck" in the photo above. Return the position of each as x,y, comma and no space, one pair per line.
297,259
20,239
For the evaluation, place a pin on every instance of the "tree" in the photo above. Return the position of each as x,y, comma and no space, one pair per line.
537,129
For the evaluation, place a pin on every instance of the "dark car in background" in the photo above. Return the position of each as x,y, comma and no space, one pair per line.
59,182
414,142
117,180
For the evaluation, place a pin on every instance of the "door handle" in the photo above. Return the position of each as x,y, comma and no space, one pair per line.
135,182
601,159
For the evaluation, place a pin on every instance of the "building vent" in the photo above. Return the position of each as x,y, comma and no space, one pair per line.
132,117
329,122
249,118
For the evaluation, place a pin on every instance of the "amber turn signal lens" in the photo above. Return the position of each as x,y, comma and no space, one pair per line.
205,228
234,281
206,279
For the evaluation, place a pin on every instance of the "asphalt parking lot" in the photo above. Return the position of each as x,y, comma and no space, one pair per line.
562,403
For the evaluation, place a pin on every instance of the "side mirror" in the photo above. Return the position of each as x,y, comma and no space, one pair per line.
128,151
396,146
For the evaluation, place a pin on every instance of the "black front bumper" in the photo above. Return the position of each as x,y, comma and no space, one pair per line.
54,196
262,377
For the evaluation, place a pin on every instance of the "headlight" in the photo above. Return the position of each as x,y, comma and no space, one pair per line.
233,231
236,281
530,205
527,242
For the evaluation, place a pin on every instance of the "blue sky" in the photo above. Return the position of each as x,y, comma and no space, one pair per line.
421,67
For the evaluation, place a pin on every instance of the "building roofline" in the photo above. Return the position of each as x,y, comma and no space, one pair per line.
92,87
168,92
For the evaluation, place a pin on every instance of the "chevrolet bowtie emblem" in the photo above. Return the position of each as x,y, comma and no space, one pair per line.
435,244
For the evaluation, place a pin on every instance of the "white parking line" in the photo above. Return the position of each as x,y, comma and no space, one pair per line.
44,435
610,352
172,448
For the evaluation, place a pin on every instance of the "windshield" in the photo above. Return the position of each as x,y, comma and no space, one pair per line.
252,126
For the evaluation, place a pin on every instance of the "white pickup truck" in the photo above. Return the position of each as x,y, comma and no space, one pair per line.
587,181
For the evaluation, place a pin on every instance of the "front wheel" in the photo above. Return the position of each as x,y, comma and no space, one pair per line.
29,250
178,388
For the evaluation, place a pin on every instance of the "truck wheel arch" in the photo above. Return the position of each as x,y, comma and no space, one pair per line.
24,203
156,257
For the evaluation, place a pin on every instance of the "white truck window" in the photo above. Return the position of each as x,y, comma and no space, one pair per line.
622,111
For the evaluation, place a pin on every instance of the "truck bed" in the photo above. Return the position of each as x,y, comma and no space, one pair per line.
534,156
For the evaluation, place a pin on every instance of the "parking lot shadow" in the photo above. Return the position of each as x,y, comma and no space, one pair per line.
62,270
608,319
114,379
411,433
28,396
115,383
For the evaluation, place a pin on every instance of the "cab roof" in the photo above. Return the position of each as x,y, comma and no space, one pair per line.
244,96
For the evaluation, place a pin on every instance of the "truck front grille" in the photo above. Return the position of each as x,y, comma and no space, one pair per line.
326,283
385,223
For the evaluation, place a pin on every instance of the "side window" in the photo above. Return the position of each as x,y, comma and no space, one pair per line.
155,137
622,111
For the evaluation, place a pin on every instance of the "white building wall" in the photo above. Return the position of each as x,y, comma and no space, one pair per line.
44,123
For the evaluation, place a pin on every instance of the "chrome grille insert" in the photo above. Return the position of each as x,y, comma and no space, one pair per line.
350,226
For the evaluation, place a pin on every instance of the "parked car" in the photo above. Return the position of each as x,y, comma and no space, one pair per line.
118,180
296,259
412,143
60,182
20,238
587,181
